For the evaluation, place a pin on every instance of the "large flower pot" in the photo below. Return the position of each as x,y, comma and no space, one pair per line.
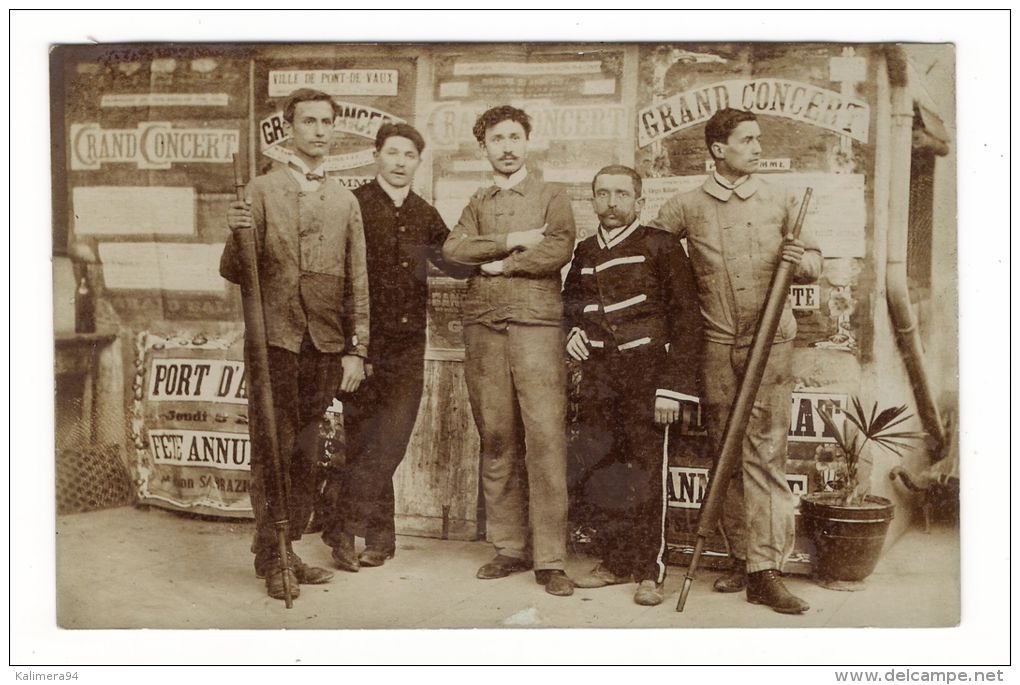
848,538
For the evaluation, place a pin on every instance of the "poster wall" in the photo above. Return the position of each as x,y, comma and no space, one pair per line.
190,424
581,120
369,91
148,139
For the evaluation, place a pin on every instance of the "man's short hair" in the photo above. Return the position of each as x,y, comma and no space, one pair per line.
723,123
496,115
307,95
401,131
619,170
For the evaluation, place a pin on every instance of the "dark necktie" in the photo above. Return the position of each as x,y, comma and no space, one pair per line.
308,174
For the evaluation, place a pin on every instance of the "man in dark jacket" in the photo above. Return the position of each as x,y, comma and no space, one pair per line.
631,303
311,252
403,233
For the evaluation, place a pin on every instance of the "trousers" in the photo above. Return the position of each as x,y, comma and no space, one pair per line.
758,512
618,466
378,420
517,386
303,386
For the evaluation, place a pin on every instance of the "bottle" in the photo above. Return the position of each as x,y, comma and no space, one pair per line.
84,308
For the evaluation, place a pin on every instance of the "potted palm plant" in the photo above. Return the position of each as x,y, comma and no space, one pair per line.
847,524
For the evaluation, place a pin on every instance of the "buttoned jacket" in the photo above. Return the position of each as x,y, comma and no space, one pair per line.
400,242
311,264
634,292
734,237
528,290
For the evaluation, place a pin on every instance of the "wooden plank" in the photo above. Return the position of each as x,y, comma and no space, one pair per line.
438,479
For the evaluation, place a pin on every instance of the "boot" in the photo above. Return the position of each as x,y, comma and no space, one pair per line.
733,580
766,587
344,556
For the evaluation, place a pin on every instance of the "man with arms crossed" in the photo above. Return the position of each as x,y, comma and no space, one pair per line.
631,303
737,227
311,252
520,233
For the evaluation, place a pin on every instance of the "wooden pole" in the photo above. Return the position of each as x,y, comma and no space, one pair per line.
258,373
736,424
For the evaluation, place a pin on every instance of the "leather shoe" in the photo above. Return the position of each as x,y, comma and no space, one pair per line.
734,580
306,575
374,557
649,593
556,582
601,576
502,566
309,575
344,556
766,587
274,583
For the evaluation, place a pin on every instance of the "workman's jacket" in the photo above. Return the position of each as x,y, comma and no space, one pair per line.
528,291
311,263
734,236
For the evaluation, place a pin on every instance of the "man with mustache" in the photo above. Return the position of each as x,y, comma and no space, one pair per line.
519,232
737,227
632,307
312,268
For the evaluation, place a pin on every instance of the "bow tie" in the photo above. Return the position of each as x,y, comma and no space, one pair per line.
315,177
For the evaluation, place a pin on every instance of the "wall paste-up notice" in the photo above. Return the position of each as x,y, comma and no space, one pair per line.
657,191
837,213
445,331
335,81
150,145
190,426
162,266
165,100
129,210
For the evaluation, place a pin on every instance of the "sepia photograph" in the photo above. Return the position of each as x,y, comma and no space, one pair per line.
529,335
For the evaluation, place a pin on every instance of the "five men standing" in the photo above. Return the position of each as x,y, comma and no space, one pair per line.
632,306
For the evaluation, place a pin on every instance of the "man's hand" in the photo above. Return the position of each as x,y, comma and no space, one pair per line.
239,215
522,240
354,372
667,411
793,249
577,345
492,268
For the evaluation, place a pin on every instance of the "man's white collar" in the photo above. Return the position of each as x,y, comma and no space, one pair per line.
303,168
608,238
398,195
505,182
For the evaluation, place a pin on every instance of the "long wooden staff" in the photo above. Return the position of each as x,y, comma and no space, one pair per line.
258,373
736,424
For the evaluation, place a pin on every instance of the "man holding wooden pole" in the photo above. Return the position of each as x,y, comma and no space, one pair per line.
311,263
737,226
